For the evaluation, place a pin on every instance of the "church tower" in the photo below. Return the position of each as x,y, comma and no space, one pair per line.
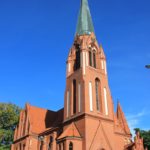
88,103
87,89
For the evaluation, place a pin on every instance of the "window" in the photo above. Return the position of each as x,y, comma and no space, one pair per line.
105,100
90,96
74,96
59,146
41,145
92,58
63,146
79,98
24,146
77,60
97,89
68,103
71,146
50,143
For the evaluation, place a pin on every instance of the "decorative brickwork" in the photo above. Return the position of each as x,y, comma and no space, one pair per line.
88,120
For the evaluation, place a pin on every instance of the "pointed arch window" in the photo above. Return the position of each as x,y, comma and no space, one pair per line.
77,60
50,143
97,90
92,58
70,146
74,96
41,145
59,146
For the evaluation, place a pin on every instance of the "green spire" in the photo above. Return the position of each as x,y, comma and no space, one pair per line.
84,25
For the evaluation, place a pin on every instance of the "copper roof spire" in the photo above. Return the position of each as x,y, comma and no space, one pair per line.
84,24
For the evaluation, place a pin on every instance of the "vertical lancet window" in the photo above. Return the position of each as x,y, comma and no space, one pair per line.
92,58
50,143
71,146
77,60
79,97
68,103
90,96
74,96
105,100
59,146
97,89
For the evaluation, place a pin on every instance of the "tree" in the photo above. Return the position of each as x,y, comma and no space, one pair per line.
146,137
9,117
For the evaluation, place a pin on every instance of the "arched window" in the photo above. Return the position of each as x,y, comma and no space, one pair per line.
63,146
74,96
68,103
50,143
92,58
41,145
97,90
71,146
59,146
77,60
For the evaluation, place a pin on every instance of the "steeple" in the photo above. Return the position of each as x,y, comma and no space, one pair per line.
84,24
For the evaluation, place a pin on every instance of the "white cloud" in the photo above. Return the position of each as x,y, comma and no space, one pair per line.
134,120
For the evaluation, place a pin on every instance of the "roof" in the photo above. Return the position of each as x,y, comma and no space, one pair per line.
84,24
40,119
122,119
70,131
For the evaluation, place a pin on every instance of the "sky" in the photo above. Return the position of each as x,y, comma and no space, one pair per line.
35,38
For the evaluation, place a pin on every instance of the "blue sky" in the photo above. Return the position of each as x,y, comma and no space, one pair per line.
35,37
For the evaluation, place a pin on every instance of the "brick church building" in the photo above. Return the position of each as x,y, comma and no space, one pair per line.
88,120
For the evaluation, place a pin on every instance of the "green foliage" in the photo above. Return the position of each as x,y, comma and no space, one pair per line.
9,117
146,137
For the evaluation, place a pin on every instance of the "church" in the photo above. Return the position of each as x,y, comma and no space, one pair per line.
88,120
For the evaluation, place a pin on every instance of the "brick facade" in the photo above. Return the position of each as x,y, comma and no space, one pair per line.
88,120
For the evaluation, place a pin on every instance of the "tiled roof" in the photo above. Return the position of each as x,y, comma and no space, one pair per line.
40,119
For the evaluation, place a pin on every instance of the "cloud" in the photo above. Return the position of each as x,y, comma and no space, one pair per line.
134,120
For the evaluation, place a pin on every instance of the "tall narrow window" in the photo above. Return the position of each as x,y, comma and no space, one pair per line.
20,146
41,145
77,60
94,59
24,146
59,146
97,89
63,146
74,96
79,97
90,96
71,146
68,103
90,58
50,143
105,100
